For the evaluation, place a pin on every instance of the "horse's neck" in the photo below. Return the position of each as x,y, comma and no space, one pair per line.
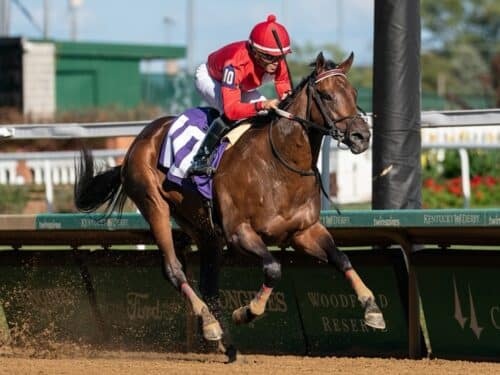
296,140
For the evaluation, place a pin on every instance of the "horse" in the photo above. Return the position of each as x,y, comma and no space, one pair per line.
276,161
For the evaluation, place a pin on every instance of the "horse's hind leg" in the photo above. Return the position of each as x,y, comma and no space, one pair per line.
246,238
157,213
210,249
318,242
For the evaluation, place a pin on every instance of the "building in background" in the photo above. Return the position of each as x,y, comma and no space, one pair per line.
41,77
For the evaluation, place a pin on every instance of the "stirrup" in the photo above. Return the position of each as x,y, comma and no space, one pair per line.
208,170
200,168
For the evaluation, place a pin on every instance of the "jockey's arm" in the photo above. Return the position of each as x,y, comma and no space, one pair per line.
232,105
234,109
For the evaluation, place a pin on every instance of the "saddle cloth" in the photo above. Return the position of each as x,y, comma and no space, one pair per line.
183,141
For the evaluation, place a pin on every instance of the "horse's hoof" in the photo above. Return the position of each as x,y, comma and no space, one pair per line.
375,320
212,331
231,353
373,315
243,315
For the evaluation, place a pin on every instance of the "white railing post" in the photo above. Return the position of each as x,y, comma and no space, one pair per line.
464,166
49,188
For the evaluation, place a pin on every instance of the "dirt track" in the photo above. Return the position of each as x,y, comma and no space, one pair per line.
156,363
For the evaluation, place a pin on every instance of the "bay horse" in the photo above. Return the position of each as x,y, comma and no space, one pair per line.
266,192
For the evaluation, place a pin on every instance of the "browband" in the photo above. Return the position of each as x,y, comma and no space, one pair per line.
329,73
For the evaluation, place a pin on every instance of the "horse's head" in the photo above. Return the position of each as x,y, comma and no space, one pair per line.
335,104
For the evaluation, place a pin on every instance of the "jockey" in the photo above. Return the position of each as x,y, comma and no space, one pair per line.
229,80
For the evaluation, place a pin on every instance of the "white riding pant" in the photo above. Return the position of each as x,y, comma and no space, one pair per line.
210,91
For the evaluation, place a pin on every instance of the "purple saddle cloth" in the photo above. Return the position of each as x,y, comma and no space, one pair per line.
181,144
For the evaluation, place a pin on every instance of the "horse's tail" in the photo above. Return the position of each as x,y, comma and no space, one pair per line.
93,188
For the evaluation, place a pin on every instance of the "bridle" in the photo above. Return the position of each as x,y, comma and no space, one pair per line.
330,123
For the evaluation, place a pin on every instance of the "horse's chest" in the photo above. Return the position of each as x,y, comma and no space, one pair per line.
282,225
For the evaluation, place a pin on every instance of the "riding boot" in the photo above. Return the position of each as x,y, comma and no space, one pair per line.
201,161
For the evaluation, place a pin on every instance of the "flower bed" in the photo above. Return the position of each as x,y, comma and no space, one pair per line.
448,193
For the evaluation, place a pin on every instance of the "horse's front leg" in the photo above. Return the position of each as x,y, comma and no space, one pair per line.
247,239
318,242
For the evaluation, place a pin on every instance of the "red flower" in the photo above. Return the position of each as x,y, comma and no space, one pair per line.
490,181
476,181
455,189
437,188
429,183
457,181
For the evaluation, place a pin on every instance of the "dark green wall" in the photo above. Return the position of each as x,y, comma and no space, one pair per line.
98,75
97,82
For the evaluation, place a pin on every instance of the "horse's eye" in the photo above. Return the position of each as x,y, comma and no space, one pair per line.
324,95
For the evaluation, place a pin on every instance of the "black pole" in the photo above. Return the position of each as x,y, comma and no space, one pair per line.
396,128
396,105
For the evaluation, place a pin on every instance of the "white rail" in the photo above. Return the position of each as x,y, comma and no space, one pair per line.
56,166
72,130
429,119
49,168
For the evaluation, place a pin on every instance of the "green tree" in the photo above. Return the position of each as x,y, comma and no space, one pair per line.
304,55
473,22
460,41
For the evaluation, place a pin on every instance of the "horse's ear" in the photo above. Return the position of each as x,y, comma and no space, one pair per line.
346,65
320,62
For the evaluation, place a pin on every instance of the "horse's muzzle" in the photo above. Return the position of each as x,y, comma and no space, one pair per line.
358,139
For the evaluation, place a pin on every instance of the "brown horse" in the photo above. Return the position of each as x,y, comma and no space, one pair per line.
266,192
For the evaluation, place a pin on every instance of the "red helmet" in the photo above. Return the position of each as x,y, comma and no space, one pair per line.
262,37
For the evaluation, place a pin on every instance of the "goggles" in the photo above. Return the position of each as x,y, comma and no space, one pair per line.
269,59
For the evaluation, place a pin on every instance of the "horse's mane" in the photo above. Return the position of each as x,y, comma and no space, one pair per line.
262,120
329,64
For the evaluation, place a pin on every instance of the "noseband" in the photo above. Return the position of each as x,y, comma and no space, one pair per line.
330,123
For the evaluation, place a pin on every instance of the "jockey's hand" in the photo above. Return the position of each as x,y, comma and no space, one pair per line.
270,104
285,95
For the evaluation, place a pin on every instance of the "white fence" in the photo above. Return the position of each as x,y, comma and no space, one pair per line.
56,167
48,168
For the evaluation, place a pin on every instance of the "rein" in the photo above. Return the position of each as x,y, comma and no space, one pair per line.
331,128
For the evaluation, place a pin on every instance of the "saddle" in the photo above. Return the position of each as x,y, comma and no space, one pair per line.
182,142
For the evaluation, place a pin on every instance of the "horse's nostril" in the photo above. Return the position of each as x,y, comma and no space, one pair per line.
356,137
